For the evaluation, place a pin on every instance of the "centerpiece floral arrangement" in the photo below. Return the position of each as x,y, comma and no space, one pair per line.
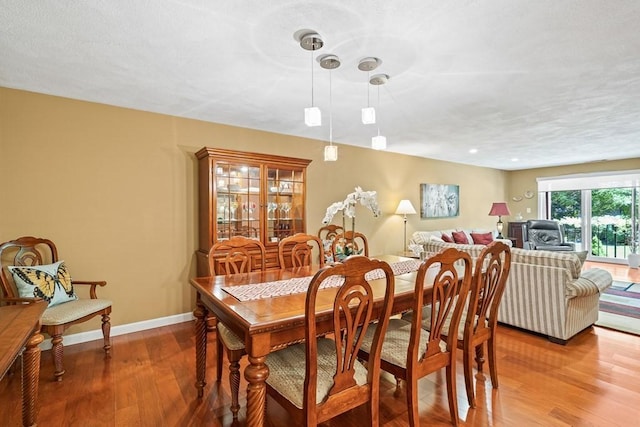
348,207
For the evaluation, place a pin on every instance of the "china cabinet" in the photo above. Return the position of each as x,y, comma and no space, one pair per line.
258,196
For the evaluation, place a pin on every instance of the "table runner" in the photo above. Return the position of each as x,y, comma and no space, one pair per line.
301,284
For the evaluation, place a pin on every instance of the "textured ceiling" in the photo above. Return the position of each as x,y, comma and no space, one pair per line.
547,82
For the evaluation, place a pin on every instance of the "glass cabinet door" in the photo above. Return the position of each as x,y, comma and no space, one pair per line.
237,189
285,203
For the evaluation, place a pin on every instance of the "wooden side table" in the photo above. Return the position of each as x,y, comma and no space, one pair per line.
20,329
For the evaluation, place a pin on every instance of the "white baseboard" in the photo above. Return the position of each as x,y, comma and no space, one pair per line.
120,330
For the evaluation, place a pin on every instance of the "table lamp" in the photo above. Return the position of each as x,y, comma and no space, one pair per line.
405,208
499,209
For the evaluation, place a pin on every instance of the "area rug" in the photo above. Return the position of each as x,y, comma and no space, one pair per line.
620,307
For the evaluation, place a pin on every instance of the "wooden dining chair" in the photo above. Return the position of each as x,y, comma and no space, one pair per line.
236,255
489,279
31,268
327,234
354,240
322,378
301,248
409,352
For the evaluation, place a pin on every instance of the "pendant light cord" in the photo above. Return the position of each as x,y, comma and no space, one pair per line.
312,78
330,109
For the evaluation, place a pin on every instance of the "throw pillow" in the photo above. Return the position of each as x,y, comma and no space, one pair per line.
460,237
51,282
582,256
447,238
435,239
482,238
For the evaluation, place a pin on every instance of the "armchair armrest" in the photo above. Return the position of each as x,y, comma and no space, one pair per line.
93,284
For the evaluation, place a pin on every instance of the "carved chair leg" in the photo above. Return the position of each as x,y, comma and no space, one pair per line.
106,333
398,391
234,380
57,351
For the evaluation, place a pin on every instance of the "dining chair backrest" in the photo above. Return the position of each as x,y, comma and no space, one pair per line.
353,314
447,301
355,241
489,280
236,255
327,234
301,248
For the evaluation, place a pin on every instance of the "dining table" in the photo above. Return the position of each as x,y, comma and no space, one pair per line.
20,335
267,310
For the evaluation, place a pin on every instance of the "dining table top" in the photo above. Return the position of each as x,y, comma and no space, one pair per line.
266,313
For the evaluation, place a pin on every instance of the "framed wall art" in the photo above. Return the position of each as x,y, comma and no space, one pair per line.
439,200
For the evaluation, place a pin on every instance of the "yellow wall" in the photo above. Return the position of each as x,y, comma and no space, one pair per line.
115,189
522,181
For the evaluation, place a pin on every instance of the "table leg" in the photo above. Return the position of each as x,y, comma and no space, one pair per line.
256,373
200,314
30,377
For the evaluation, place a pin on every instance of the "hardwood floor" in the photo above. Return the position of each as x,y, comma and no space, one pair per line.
592,381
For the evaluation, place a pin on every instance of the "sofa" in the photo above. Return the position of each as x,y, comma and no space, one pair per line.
547,292
421,237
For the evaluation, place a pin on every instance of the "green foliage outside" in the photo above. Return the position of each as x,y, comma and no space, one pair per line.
610,218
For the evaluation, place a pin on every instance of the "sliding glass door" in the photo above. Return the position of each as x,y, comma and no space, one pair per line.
600,221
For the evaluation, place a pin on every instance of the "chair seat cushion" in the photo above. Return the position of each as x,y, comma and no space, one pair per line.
396,342
230,340
73,310
287,371
51,282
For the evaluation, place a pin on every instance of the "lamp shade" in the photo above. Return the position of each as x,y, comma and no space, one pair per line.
499,209
405,208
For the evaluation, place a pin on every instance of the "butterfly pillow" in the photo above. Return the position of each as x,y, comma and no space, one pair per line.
51,282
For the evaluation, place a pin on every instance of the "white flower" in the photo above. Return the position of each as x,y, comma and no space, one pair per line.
348,206
331,211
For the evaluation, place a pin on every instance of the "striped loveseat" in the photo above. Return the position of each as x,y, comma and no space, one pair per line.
547,292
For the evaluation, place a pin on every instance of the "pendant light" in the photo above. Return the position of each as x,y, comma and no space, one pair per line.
368,65
379,142
330,62
311,41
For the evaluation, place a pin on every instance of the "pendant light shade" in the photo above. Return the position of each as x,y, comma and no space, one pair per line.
312,116
330,153
379,142
368,115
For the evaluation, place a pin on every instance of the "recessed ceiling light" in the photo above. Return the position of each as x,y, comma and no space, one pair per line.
515,159
473,150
